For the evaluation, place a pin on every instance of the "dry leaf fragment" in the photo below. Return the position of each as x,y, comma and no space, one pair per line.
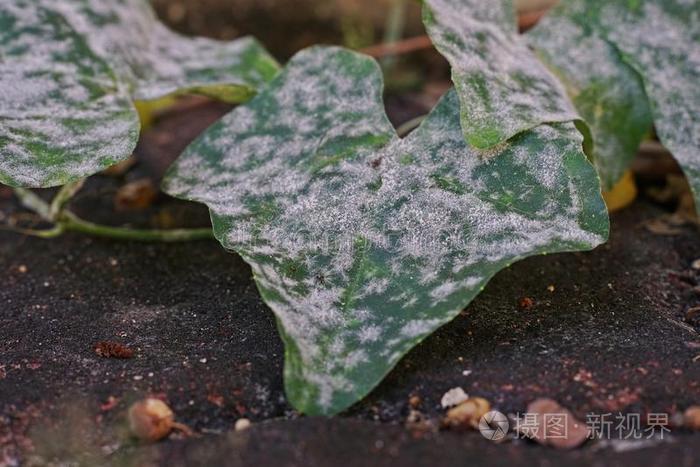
109,404
110,349
216,399
692,313
553,425
135,195
661,226
526,303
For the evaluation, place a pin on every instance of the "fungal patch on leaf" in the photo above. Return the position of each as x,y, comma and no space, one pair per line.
157,62
358,272
608,94
628,64
63,112
502,86
70,70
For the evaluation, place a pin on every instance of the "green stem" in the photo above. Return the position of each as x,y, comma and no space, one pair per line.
73,223
65,220
407,127
394,30
31,201
63,197
47,233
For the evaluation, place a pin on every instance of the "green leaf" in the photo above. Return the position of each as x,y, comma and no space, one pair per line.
503,88
70,70
363,243
607,92
63,113
629,63
157,62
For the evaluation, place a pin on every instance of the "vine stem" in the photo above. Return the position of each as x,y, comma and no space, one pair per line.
404,129
394,30
64,220
73,223
63,197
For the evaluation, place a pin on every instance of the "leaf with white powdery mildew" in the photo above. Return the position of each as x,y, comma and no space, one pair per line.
70,70
633,62
63,112
363,243
156,61
606,91
502,86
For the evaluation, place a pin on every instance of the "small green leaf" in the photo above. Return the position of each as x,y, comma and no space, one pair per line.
363,256
69,71
626,64
502,86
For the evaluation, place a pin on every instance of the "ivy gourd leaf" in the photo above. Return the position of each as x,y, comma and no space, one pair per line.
70,70
502,86
363,243
156,61
63,113
630,63
608,93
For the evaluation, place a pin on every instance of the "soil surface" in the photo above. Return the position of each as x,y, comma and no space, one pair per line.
609,338
604,332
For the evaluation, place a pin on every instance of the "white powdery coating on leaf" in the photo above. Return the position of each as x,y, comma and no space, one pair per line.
60,117
608,93
69,70
662,41
155,60
419,328
362,243
502,86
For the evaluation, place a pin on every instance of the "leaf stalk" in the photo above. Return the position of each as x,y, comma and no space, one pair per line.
64,220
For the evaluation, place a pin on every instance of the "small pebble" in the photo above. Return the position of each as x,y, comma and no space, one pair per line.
453,397
414,401
568,433
467,414
22,269
242,424
151,419
695,264
691,418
